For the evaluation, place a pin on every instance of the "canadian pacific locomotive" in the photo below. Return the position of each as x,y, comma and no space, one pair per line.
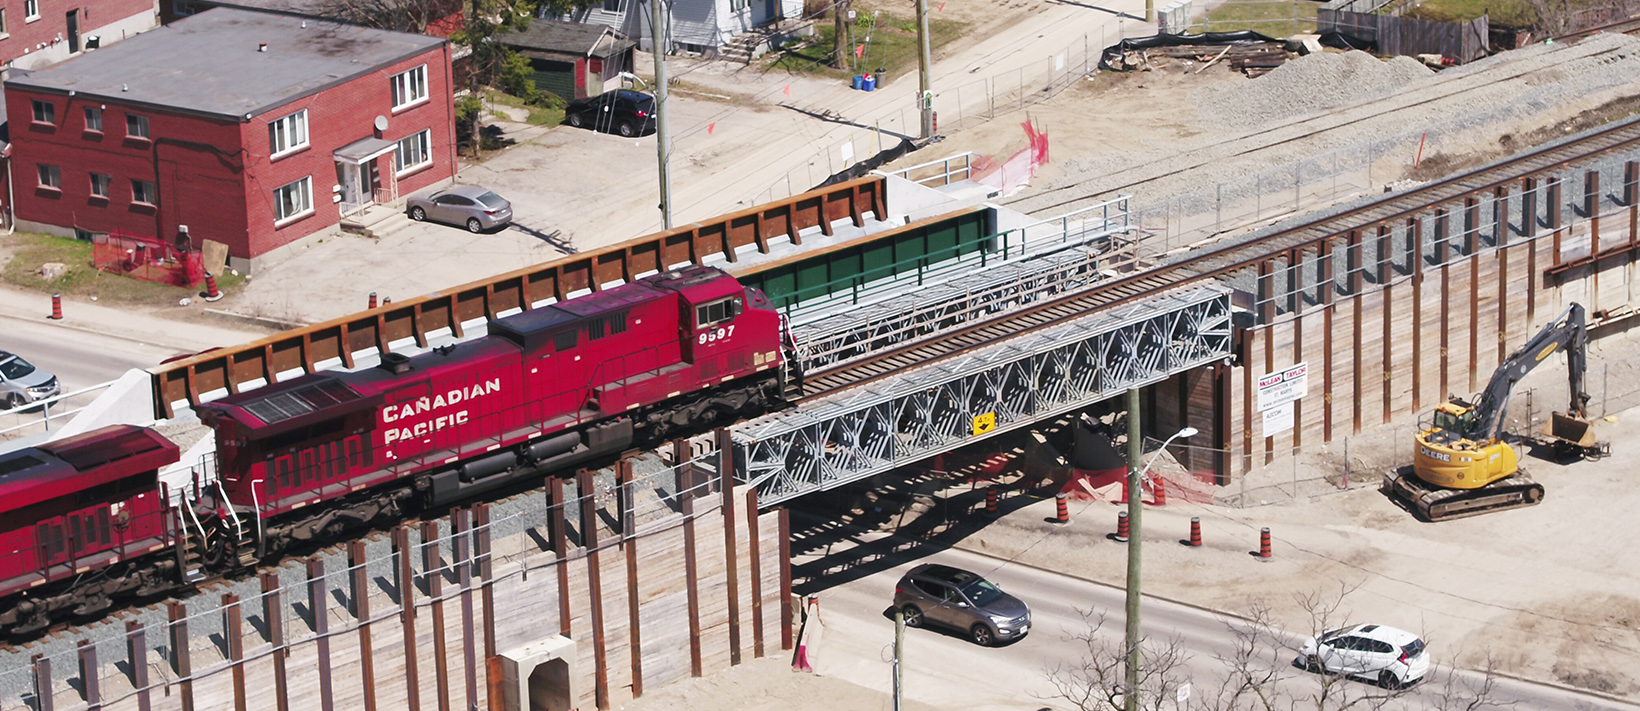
84,521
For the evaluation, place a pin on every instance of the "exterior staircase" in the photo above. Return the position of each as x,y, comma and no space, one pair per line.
376,221
746,46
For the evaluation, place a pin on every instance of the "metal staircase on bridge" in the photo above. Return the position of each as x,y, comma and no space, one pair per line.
1000,387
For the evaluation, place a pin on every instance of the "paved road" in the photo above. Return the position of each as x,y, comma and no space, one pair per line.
79,358
944,670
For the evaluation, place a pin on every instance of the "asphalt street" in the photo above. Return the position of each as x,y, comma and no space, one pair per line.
80,358
944,669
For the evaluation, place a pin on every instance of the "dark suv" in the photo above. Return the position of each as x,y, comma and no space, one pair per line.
956,598
626,112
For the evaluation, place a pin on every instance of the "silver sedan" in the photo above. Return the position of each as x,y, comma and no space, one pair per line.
477,208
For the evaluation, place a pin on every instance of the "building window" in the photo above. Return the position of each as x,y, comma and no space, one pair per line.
288,134
409,87
51,177
612,5
184,8
136,126
738,5
293,200
144,192
45,112
99,185
31,10
3,29
414,152
93,119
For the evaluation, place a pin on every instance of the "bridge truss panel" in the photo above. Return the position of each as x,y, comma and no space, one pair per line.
874,428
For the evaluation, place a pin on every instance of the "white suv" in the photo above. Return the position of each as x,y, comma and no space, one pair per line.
1394,658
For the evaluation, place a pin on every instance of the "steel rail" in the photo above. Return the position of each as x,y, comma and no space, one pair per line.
1225,260
1351,111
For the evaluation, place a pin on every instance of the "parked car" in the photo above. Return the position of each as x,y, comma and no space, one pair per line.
1394,658
956,598
469,205
626,112
21,383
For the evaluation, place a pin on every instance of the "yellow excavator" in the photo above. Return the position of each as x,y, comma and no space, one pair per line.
1462,467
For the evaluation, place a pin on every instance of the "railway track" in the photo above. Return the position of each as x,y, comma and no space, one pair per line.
1225,260
1349,117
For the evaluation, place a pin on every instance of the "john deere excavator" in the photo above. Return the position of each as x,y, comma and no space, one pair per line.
1461,465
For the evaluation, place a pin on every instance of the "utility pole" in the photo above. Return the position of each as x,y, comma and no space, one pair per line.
657,34
842,42
1130,693
899,646
925,64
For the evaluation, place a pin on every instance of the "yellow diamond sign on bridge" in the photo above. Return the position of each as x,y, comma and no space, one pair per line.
984,422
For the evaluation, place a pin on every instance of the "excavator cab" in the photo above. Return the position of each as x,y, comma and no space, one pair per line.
1453,420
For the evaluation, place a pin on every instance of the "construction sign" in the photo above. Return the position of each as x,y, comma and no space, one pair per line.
984,422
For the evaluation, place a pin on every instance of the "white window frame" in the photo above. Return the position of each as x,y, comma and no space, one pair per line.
31,10
3,31
405,85
92,112
400,168
50,176
50,111
107,185
303,188
147,130
291,131
151,186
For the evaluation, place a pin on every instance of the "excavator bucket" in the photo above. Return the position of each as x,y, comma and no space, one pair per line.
1570,430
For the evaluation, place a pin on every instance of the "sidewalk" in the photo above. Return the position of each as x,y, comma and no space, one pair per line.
191,330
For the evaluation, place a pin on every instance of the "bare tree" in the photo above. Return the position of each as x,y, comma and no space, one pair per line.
1265,670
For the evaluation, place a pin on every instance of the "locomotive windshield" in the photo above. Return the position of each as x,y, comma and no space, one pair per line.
757,299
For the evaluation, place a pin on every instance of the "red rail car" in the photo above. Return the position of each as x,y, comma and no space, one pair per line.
83,521
547,389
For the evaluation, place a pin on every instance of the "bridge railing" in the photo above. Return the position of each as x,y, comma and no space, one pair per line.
1047,259
41,415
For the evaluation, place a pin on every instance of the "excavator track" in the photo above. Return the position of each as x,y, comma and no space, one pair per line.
1435,504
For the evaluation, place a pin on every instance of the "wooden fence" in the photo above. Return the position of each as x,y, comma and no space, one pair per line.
1406,36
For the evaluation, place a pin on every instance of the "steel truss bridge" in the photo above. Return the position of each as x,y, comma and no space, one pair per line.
833,440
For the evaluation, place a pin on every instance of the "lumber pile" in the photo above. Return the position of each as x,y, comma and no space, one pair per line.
1249,59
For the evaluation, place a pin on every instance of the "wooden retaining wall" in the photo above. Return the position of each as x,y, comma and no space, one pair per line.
676,595
1393,318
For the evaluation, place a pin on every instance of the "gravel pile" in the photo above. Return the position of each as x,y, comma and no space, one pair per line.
1307,85
1455,111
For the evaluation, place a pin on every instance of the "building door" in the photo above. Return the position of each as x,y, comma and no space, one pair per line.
372,178
73,32
347,176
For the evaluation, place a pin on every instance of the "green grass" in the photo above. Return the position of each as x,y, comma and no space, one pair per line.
1504,13
548,112
32,250
1274,18
893,45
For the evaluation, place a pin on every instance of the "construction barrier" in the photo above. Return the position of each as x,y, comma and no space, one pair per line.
146,258
1121,527
1195,532
1062,512
1264,544
56,307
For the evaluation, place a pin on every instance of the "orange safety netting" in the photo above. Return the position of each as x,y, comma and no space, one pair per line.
146,258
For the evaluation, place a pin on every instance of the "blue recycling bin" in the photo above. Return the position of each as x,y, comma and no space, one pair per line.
859,82
870,83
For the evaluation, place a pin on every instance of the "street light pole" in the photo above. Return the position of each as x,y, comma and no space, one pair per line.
657,33
925,65
1136,477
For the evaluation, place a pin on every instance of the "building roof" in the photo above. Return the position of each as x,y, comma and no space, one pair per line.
210,63
567,37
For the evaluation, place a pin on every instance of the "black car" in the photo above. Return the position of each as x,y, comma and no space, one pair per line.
626,112
956,598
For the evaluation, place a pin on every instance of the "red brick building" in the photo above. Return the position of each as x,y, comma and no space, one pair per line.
246,128
36,33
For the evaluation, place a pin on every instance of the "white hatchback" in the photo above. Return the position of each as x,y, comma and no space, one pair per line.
1392,657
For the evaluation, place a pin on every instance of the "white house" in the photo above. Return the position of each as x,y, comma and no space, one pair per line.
697,26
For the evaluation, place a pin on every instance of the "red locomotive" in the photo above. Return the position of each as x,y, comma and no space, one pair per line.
547,389
83,521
